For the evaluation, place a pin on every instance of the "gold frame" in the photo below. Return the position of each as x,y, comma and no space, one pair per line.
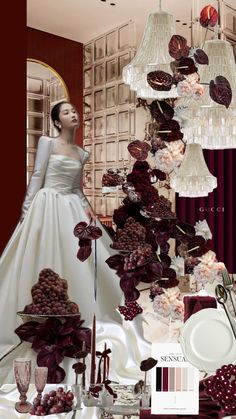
53,72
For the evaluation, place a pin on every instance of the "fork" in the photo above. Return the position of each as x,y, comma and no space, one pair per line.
228,284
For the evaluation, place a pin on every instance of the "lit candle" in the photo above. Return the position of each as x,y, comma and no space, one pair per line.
93,352
104,364
83,374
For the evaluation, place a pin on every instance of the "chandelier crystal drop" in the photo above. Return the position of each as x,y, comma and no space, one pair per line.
212,125
152,55
193,178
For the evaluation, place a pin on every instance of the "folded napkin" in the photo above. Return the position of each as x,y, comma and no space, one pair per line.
208,409
195,303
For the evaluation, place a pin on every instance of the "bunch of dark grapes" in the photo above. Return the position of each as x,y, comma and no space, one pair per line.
130,310
58,401
130,237
138,257
161,208
221,387
50,296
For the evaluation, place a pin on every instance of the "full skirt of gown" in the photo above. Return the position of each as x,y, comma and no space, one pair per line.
45,239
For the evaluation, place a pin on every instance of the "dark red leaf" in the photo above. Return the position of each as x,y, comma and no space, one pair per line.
154,271
161,111
148,364
85,249
220,91
201,57
139,149
49,356
132,295
160,80
187,66
170,131
178,47
208,16
27,331
115,261
56,375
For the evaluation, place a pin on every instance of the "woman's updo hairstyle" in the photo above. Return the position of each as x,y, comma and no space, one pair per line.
55,114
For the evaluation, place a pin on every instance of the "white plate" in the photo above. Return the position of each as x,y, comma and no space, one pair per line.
207,340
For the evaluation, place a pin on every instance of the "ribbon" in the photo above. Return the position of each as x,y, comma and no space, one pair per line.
103,356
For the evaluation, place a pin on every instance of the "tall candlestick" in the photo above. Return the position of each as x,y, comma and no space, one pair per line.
104,364
93,352
83,374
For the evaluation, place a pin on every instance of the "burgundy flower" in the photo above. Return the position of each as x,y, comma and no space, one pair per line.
160,80
183,232
208,16
139,149
178,47
220,91
148,364
84,231
170,131
201,57
164,259
195,247
187,66
86,234
79,367
161,111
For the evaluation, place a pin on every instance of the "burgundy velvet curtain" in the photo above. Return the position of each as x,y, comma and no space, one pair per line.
219,208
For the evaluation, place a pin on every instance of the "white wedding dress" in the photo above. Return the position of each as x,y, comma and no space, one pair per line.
54,204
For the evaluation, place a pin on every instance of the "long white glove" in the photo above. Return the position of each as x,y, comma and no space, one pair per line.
40,167
84,155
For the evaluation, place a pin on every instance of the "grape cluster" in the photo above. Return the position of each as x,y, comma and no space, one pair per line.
50,296
161,208
130,310
138,257
221,387
130,237
58,401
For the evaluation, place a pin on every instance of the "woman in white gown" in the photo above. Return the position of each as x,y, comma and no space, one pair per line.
53,205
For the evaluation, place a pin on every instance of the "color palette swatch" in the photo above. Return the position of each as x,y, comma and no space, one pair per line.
175,382
174,379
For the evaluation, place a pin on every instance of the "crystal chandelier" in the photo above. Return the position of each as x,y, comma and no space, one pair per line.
193,178
152,55
212,125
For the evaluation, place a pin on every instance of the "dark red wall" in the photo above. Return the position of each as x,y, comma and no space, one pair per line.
66,57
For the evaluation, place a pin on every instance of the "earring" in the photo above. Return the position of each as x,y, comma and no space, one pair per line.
59,126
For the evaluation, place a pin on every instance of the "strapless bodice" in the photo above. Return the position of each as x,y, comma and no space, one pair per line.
62,173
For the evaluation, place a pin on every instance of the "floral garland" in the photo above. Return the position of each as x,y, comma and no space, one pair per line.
145,221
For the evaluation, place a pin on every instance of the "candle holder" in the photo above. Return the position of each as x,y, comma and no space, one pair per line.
40,376
22,372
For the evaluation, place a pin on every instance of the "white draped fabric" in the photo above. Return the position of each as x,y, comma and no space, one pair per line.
54,204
